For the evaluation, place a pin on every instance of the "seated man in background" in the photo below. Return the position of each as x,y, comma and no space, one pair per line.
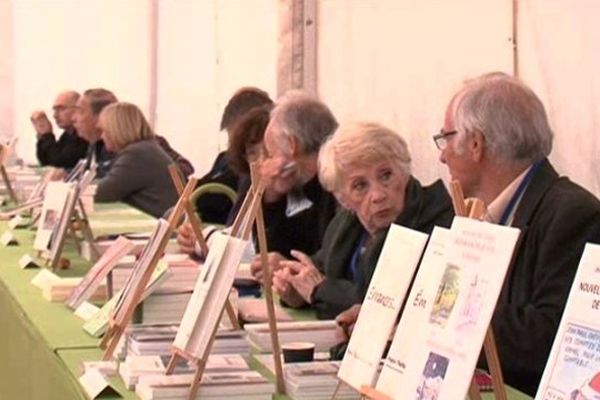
367,167
69,148
85,120
495,141
296,208
139,174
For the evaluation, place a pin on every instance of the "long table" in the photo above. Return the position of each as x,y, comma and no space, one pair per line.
42,344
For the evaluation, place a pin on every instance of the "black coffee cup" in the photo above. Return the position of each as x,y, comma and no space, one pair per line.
298,352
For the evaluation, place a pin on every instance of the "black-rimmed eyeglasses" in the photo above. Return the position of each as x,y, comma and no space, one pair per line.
441,139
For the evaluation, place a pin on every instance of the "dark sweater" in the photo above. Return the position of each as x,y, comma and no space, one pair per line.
61,153
425,207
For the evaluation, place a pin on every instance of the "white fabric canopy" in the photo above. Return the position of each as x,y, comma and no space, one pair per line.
392,61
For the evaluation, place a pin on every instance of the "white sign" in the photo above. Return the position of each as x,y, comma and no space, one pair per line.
397,263
8,239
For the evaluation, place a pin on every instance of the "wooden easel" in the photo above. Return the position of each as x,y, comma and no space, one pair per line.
250,212
117,325
3,155
471,208
197,229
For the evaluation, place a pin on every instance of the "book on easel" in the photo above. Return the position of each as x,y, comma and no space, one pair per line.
134,289
54,202
442,329
573,367
99,272
198,329
68,214
387,290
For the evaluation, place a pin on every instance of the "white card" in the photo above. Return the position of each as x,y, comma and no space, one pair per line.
95,384
45,278
27,262
86,311
8,239
16,222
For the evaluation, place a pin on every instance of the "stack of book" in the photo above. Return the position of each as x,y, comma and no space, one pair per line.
241,385
143,340
310,380
321,333
135,367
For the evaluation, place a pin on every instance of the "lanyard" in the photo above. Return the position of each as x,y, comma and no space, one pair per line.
356,256
519,193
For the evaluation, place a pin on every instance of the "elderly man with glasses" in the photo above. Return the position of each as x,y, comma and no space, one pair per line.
495,141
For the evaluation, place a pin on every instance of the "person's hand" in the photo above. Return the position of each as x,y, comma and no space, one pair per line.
41,123
283,288
278,175
186,238
273,260
305,277
58,174
347,319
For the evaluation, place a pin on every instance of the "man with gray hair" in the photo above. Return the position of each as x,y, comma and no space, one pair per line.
85,119
296,208
495,142
69,148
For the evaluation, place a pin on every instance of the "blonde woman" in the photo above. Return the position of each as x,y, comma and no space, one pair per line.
367,167
139,174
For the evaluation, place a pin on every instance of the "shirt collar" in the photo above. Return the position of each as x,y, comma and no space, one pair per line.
499,204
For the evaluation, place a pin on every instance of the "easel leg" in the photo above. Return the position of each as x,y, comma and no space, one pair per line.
491,355
474,393
337,389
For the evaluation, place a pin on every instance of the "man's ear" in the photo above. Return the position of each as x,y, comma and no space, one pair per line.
293,146
476,146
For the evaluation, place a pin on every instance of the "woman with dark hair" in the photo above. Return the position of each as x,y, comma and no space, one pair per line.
245,143
215,208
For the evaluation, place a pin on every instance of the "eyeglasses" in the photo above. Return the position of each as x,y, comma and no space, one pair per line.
441,139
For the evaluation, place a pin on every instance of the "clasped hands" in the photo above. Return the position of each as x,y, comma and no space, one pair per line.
294,281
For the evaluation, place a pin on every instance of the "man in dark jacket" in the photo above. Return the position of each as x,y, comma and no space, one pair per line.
69,148
495,141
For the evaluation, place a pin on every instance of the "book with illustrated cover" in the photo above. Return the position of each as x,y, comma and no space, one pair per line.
573,368
448,311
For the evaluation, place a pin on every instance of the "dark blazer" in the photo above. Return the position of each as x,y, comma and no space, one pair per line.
61,153
556,218
98,152
303,231
425,207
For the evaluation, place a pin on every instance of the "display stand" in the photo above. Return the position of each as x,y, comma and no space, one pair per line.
4,152
250,213
471,208
121,315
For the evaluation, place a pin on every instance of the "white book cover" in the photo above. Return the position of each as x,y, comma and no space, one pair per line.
394,272
448,311
54,202
573,368
210,293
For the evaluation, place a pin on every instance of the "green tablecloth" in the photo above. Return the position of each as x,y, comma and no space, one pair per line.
42,344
